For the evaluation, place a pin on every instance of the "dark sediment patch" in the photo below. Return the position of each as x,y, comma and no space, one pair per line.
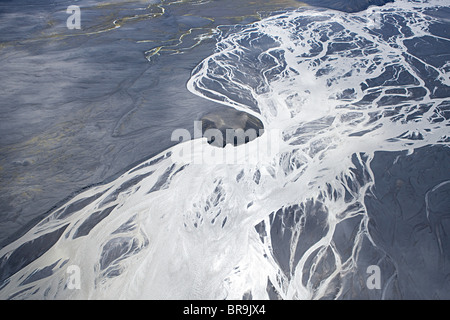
230,126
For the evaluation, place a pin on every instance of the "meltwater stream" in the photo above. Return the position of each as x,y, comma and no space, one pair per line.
331,89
